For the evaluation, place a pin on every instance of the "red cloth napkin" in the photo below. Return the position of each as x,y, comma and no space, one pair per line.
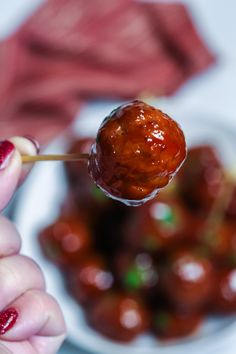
73,50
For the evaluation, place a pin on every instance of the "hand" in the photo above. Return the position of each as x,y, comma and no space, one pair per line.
31,321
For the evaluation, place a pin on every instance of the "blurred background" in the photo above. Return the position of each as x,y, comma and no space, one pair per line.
65,61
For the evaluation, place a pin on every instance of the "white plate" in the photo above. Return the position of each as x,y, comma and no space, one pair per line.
40,202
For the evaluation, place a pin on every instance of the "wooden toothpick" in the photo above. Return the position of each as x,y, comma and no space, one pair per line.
62,157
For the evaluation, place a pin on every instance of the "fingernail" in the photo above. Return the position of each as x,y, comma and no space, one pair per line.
6,151
7,320
34,141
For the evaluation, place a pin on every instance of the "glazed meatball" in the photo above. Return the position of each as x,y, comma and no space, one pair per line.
231,210
169,324
137,151
224,299
221,243
136,272
188,280
119,317
201,178
158,225
64,242
89,279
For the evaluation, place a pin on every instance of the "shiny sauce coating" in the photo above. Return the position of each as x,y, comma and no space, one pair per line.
137,151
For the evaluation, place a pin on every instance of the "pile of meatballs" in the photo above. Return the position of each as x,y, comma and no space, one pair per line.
161,267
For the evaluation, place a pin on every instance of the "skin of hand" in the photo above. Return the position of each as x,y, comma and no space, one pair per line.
39,327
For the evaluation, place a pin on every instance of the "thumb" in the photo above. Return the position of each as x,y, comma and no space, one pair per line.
11,170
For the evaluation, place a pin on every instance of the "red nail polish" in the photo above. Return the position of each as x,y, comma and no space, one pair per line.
7,320
34,141
6,151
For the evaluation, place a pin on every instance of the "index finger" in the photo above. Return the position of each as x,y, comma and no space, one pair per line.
12,173
9,177
25,146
